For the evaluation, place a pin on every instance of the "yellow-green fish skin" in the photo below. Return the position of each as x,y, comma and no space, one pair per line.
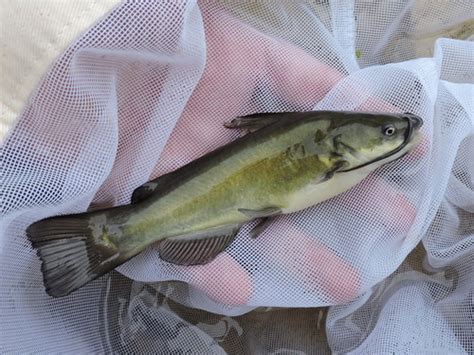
282,165
251,179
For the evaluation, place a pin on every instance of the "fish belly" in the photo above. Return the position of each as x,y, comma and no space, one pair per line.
312,194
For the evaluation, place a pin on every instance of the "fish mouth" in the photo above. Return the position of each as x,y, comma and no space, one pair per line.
414,123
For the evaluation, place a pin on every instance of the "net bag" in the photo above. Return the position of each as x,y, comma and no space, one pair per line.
147,89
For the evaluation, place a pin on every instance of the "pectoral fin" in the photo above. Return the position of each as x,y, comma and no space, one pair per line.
198,248
340,165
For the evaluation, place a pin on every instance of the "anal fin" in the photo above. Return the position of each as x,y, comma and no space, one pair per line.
198,248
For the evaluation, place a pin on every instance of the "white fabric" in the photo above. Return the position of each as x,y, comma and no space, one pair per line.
32,35
147,89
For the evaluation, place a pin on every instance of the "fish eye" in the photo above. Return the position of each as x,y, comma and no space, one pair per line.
389,130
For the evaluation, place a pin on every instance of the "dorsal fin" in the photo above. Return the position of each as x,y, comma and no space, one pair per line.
257,120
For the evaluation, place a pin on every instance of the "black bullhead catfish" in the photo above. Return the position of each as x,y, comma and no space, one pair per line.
287,162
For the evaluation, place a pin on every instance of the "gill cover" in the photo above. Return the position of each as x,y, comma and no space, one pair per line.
380,139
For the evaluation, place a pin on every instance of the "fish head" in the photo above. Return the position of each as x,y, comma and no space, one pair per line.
373,139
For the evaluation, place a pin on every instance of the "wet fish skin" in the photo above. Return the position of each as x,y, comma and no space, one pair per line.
288,162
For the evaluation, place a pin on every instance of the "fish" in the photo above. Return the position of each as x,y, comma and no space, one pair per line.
286,162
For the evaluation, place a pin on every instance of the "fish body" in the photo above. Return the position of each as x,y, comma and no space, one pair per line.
289,161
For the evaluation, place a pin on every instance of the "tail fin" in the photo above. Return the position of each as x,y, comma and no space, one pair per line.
74,250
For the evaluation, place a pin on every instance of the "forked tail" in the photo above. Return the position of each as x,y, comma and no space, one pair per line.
74,250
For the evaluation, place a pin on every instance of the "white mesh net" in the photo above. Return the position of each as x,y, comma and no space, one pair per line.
147,89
